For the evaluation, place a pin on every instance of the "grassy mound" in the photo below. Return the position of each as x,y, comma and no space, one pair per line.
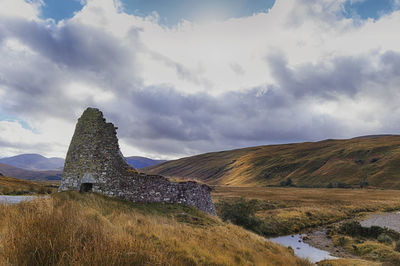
89,229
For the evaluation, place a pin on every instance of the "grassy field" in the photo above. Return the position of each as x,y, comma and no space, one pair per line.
289,210
14,186
70,228
369,161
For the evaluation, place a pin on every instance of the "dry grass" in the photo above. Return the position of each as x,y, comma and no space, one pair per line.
13,186
348,262
75,229
289,210
369,249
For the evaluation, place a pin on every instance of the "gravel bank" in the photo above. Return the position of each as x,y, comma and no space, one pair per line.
389,220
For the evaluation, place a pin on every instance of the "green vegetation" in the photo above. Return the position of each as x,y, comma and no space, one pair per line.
353,163
242,213
70,228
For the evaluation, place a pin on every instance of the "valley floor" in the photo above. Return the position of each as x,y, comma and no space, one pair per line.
284,211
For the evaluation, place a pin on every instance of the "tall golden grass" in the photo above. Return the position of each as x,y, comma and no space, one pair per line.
88,229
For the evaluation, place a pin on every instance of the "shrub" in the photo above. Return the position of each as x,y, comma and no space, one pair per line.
242,212
287,183
397,247
342,185
342,241
384,238
352,228
363,184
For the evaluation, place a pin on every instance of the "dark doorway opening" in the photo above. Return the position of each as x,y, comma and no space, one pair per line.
86,187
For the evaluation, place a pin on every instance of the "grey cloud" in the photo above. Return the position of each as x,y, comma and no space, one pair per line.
69,53
162,120
237,69
182,72
73,45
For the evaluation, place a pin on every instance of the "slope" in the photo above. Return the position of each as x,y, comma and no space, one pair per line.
34,162
9,170
70,228
372,159
140,162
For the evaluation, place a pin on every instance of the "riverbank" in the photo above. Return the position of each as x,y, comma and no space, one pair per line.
375,239
388,220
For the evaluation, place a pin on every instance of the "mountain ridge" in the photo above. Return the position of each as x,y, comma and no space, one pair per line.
373,160
33,161
37,167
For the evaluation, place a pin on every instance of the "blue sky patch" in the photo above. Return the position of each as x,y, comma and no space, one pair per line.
59,10
366,9
171,12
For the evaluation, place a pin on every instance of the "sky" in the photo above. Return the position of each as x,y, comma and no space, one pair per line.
180,78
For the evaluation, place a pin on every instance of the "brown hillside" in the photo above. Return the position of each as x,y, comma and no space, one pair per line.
9,170
373,159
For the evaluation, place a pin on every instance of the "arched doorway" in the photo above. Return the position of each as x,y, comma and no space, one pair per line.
86,187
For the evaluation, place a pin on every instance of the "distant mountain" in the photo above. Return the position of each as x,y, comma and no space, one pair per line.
38,167
9,170
139,162
372,160
35,162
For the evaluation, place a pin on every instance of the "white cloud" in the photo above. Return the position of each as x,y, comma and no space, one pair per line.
301,71
49,140
20,9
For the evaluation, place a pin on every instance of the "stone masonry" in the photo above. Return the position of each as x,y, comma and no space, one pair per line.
95,163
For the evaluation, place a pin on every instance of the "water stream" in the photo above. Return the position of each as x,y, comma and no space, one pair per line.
5,199
301,249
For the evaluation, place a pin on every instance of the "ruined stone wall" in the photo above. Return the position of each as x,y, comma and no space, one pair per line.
94,163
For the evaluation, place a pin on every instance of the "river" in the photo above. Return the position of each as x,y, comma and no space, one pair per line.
15,199
301,249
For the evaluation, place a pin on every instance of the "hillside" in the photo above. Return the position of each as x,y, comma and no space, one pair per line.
372,159
38,167
140,162
9,170
34,162
70,228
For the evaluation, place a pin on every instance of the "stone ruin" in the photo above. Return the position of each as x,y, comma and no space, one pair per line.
94,163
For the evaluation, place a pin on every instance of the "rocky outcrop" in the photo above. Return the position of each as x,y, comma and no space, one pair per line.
95,163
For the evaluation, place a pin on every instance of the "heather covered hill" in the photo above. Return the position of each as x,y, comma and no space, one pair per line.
369,160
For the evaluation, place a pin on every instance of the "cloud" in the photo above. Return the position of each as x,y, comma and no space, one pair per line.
297,72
